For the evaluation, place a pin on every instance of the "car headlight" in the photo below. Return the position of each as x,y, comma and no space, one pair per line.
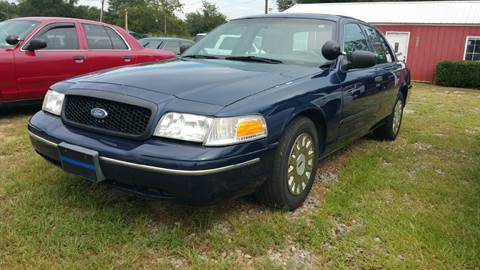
53,102
211,131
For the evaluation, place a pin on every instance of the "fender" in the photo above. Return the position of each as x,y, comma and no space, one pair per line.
8,86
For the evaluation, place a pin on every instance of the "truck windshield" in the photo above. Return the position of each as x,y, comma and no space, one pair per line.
20,28
284,40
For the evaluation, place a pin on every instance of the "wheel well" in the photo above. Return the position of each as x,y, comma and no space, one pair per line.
317,118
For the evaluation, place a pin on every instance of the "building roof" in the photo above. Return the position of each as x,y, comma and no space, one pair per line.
428,12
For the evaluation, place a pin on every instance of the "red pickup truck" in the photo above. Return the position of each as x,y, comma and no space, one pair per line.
38,52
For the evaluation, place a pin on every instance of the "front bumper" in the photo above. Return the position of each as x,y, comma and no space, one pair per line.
205,178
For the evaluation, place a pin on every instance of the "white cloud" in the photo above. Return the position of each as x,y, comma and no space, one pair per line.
231,8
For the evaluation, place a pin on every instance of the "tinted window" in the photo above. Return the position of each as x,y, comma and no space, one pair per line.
473,49
60,38
150,43
355,39
103,38
117,41
379,45
186,43
172,46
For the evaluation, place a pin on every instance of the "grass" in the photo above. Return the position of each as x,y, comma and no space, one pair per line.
411,204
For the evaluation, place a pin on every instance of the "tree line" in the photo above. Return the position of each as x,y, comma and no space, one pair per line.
154,17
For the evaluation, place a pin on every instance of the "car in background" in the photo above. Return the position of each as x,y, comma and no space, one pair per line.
253,116
137,35
37,52
199,37
168,44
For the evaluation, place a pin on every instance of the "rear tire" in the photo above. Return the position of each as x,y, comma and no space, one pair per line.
294,168
390,129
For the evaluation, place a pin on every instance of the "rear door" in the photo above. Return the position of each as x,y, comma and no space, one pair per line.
360,94
61,59
106,47
386,72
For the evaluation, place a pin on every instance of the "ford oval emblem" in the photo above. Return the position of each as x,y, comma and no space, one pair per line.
99,113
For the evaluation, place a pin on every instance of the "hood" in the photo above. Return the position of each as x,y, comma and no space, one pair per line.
216,82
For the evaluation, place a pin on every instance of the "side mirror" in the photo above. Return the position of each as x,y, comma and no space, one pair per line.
12,40
184,47
36,44
331,50
362,59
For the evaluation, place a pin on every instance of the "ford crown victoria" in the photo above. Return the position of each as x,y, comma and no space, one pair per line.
252,115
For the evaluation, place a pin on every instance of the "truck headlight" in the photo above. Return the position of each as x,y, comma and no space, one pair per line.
211,131
53,102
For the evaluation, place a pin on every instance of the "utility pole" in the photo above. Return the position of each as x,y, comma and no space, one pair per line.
165,21
266,6
126,19
101,11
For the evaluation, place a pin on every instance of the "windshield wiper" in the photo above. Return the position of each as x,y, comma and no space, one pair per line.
252,58
201,56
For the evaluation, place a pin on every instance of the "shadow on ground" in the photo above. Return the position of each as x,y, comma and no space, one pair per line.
8,111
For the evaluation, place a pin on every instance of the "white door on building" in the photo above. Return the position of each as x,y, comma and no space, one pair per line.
399,42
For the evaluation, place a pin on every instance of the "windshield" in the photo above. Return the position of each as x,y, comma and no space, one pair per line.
19,28
291,41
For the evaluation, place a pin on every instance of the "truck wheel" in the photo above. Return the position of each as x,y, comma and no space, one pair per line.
294,168
391,128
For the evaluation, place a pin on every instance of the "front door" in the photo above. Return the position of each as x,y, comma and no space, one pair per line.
61,59
399,42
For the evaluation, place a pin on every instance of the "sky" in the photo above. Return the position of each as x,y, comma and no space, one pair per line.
231,8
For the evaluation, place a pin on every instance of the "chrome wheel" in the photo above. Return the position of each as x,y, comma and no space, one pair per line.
397,116
300,163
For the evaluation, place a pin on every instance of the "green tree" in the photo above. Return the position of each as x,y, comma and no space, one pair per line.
165,15
52,8
87,12
7,10
205,19
285,4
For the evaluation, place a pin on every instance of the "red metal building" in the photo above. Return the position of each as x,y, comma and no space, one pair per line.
421,33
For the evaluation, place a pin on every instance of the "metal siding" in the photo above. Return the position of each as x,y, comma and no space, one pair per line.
437,43
421,12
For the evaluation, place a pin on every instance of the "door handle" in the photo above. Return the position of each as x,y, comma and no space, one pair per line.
127,58
79,58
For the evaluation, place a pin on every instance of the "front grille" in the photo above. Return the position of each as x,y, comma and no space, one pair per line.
122,118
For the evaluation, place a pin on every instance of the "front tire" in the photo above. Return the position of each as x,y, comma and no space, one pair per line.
389,131
294,168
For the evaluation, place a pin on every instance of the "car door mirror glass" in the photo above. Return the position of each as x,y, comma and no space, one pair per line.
362,59
331,50
36,44
12,40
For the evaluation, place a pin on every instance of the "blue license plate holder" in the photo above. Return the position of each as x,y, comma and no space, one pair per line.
81,161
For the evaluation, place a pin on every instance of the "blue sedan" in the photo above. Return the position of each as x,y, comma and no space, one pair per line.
249,109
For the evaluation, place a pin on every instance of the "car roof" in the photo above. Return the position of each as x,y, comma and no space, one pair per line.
60,19
166,38
317,16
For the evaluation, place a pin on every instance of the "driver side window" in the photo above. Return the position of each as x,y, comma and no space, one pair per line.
355,39
60,38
